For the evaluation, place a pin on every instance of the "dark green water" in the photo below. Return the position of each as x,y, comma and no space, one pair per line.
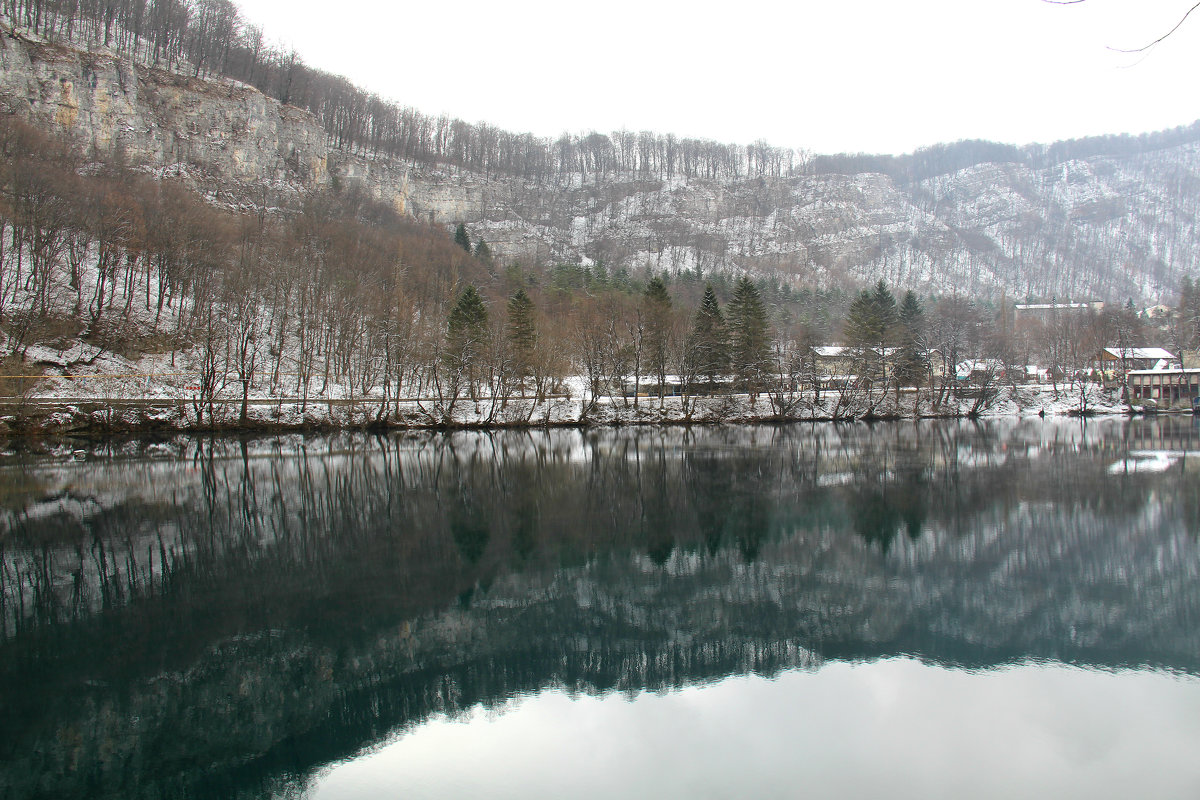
912,609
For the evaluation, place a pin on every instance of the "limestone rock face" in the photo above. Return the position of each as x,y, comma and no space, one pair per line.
220,135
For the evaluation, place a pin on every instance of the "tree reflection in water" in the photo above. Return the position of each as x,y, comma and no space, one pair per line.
218,617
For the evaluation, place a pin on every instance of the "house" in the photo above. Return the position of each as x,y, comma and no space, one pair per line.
1166,387
833,362
1157,312
1036,374
1045,312
647,386
980,370
839,365
1114,359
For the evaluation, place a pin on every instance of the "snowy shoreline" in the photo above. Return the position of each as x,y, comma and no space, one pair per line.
50,415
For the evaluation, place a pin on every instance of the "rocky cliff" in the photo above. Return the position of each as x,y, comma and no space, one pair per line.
1106,226
223,137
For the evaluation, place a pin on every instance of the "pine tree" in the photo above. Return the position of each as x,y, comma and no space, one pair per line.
522,336
462,238
885,307
912,361
862,328
466,335
750,335
482,251
656,303
1188,314
870,328
888,322
709,342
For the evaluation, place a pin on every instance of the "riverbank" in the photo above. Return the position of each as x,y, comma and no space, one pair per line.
99,416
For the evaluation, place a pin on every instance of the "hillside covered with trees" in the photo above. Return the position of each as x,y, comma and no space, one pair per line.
180,201
190,90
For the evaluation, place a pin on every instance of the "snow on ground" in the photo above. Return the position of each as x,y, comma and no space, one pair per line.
149,394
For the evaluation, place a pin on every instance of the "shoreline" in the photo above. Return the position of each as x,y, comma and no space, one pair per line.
90,418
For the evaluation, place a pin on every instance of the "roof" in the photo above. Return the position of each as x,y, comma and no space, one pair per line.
1050,306
1148,353
838,350
1188,371
981,363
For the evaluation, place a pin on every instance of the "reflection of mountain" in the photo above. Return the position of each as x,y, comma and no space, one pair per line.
211,624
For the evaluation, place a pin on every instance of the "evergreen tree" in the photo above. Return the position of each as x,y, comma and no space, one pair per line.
514,275
885,308
912,360
862,328
482,251
656,303
708,345
1188,314
870,328
750,335
522,336
461,238
466,336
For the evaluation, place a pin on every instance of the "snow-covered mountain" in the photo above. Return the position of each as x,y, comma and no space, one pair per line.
1112,226
1106,227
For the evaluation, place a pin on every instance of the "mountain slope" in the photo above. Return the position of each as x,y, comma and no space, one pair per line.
1107,226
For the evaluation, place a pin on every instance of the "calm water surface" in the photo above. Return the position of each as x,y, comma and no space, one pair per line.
989,609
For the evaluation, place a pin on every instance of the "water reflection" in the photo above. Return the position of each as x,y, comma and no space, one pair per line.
220,618
875,729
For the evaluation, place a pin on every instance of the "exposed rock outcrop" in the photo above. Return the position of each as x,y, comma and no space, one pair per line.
1112,227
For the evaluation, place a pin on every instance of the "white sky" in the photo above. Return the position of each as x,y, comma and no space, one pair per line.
827,75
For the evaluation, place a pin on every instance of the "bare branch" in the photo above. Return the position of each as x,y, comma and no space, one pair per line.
1146,47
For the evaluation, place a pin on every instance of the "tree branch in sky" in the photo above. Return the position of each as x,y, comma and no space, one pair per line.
1144,47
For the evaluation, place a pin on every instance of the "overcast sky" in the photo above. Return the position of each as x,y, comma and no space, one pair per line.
829,76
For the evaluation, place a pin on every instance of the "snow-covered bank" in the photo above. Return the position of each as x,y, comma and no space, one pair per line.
153,410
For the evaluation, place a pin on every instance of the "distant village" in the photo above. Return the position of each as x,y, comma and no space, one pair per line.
1152,377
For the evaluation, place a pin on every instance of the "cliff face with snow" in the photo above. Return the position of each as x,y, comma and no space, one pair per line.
224,137
1108,227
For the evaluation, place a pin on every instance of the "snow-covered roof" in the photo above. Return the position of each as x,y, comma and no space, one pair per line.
1147,353
965,369
1165,372
838,350
980,364
648,380
1050,306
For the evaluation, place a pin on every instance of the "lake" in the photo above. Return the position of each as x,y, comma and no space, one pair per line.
913,609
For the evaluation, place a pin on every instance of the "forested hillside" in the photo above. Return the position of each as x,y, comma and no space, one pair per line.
182,202
191,90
